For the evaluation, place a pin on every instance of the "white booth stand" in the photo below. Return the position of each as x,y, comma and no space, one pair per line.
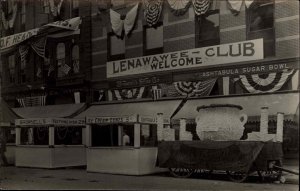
107,151
48,154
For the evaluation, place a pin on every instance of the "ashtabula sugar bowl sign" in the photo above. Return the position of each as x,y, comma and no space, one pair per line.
207,56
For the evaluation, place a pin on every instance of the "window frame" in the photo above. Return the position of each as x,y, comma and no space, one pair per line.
158,50
111,57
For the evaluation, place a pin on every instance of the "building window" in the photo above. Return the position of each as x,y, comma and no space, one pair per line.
207,29
75,8
116,47
153,39
12,68
260,24
63,68
75,59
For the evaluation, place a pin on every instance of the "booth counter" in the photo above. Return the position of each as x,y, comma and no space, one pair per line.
114,156
49,152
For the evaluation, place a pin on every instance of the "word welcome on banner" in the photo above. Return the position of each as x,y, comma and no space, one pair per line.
49,121
193,58
12,40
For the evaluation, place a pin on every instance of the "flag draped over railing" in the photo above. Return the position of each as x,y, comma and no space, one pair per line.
258,83
134,93
152,11
32,101
201,6
156,94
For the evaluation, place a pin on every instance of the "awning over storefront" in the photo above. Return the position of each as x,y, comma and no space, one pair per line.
7,116
286,103
50,111
126,109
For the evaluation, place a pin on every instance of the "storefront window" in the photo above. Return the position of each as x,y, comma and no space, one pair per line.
148,135
260,24
116,47
63,68
153,39
68,135
75,8
207,29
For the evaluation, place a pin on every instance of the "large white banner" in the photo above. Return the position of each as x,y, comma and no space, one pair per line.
12,40
193,58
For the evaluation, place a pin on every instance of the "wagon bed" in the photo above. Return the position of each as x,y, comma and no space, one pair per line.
237,158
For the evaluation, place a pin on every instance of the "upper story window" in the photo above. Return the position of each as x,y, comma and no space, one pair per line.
75,8
260,24
12,68
153,39
75,59
62,68
207,29
116,48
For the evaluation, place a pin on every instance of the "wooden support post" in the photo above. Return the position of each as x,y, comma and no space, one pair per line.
88,135
137,135
18,135
51,135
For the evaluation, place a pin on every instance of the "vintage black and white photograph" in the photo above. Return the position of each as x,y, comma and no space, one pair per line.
149,95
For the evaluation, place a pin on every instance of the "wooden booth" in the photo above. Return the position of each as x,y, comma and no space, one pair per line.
124,144
50,142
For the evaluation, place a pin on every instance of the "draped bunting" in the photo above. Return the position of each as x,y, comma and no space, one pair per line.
118,23
179,7
152,11
235,5
9,13
201,6
191,89
39,46
266,82
23,51
32,101
55,6
135,93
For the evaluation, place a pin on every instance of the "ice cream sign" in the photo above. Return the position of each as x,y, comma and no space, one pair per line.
193,58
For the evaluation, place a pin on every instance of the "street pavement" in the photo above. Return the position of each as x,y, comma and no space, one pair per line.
77,178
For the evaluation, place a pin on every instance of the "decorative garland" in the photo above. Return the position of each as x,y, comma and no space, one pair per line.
200,88
39,46
201,6
60,130
153,9
135,93
235,5
118,22
179,7
272,82
40,130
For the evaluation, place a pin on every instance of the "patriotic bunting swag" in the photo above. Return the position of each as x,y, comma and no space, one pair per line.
179,7
192,89
8,13
39,46
118,23
258,83
201,6
135,93
23,51
235,5
152,11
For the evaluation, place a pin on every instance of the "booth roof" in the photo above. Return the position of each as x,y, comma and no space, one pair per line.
7,115
50,111
284,102
127,109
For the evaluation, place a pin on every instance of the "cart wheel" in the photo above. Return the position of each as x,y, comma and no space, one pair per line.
237,176
181,172
273,173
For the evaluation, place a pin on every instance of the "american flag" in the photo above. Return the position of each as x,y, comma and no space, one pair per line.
156,93
32,101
